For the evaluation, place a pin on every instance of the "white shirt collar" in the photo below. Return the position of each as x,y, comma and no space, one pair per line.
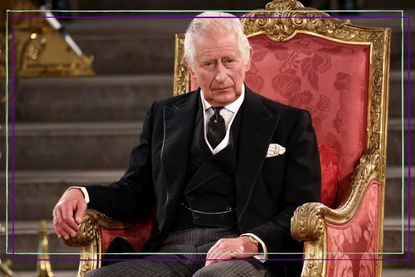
233,107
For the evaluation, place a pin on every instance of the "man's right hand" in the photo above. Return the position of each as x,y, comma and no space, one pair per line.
68,213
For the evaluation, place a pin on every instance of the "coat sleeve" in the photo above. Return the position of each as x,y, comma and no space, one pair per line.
302,183
133,195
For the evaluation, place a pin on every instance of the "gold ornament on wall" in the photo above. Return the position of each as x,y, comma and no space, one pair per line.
40,50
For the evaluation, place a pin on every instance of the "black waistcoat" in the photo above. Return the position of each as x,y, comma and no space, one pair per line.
210,181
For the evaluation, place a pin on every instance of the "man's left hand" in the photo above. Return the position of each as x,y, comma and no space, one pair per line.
225,249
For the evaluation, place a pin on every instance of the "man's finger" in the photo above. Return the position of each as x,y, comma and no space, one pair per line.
217,258
67,231
67,211
64,230
55,227
220,254
80,212
216,252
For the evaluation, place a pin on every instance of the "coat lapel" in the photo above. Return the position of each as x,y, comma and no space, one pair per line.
178,122
257,127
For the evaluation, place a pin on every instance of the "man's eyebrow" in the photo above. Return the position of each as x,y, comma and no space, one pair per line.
208,60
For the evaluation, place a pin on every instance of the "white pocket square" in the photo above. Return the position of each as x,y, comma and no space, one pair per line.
275,149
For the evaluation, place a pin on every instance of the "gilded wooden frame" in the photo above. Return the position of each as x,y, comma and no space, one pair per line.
282,20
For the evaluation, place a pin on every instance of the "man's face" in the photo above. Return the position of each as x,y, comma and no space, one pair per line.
219,69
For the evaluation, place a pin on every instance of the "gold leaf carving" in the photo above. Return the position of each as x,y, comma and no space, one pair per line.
307,222
88,230
281,19
35,47
181,73
308,225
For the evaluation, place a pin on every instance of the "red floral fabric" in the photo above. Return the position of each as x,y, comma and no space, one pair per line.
328,79
354,244
329,174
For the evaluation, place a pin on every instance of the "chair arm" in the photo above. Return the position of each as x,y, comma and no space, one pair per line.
320,226
307,223
88,230
92,240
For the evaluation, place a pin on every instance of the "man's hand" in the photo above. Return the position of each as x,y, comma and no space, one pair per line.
225,249
68,213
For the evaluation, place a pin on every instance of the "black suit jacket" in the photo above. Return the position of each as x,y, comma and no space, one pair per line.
267,189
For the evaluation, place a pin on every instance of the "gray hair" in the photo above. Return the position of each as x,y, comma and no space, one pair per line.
212,23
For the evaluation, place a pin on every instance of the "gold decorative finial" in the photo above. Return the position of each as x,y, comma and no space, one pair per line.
5,267
44,268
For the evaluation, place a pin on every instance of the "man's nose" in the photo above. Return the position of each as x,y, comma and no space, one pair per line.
220,74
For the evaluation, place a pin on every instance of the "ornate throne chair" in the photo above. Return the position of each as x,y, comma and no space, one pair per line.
339,72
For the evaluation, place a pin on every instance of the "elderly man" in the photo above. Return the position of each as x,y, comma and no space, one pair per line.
223,167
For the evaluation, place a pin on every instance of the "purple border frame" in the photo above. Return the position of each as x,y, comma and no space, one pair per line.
14,257
191,16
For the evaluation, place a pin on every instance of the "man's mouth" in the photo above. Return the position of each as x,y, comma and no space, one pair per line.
222,89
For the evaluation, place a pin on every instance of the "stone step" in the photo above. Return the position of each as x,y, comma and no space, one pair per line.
116,98
388,272
128,46
396,95
395,144
26,240
387,4
142,45
100,98
104,145
167,4
396,188
395,246
216,4
26,243
37,192
97,145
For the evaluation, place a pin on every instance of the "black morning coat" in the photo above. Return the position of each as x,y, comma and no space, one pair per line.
268,189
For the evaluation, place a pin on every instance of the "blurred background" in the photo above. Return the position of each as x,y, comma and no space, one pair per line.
82,87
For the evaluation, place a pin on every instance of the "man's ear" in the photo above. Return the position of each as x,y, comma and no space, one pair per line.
248,63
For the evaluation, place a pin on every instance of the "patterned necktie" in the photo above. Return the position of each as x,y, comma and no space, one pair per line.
216,128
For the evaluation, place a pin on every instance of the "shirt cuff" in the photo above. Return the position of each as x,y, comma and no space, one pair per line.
84,192
261,257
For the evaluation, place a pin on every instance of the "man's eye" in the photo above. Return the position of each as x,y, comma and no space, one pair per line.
208,64
228,61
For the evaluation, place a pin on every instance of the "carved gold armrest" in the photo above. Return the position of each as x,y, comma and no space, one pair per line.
309,222
89,230
89,238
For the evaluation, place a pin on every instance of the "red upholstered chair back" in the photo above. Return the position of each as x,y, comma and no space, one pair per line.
330,80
